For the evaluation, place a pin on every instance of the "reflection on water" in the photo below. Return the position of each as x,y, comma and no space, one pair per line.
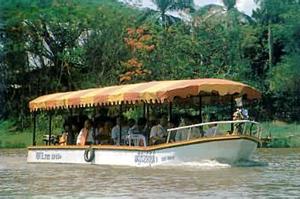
274,173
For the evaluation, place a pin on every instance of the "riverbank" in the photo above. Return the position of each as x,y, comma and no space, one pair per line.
281,134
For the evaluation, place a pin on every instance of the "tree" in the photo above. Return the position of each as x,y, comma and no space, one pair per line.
164,6
105,48
227,13
231,30
280,20
139,43
268,14
48,47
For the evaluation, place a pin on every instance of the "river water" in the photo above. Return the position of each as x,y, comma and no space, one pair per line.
274,173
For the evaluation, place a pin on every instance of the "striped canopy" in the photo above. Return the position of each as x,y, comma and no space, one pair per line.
149,92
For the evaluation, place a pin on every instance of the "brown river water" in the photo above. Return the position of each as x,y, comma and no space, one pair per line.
273,173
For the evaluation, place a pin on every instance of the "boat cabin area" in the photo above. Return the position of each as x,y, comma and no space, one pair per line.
146,114
158,129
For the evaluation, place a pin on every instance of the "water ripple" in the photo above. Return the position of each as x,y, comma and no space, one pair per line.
274,173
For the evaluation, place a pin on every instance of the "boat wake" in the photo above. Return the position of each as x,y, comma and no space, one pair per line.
204,164
214,164
250,163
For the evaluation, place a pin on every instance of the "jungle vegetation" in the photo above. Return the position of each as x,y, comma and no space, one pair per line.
49,46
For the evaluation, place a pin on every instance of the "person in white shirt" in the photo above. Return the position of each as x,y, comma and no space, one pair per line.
138,132
158,133
188,133
121,123
212,131
86,134
213,128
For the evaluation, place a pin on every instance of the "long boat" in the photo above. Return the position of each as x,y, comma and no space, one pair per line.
225,146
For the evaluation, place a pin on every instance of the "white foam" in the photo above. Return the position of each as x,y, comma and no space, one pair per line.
204,164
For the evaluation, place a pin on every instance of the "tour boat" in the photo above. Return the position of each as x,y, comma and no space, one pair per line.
225,146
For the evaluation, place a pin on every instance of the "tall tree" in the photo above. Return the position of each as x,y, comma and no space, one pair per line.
162,16
231,26
268,14
227,13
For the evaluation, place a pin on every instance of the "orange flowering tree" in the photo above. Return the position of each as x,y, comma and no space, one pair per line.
140,45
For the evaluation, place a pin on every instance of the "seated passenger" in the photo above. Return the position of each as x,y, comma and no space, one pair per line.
73,133
63,139
158,133
139,129
115,132
103,132
213,128
212,131
131,123
86,134
173,123
187,133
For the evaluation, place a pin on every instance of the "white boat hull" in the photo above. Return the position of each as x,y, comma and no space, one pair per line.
225,149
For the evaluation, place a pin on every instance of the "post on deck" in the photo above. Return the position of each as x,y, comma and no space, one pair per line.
50,128
71,111
200,109
170,111
144,109
148,111
120,115
34,129
231,110
200,115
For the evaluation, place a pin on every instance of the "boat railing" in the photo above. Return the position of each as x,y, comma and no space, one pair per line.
216,128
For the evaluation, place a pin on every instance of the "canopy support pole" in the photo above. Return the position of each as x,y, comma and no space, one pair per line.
200,115
71,111
144,109
50,128
170,111
120,115
34,129
200,109
148,111
231,110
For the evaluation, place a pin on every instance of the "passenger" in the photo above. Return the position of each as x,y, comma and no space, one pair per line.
237,127
106,133
213,128
133,127
99,128
115,132
173,123
63,139
86,134
147,127
131,123
73,133
139,132
158,133
187,133
139,127
199,132
81,118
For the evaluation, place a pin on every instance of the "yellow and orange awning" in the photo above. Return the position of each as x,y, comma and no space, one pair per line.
149,92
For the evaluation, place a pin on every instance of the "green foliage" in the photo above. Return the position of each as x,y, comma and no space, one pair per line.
285,76
163,6
11,138
52,46
282,134
229,4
